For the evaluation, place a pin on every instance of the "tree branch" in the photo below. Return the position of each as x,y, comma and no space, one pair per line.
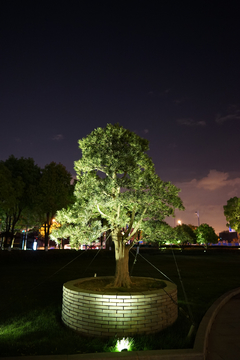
138,223
131,222
118,211
101,212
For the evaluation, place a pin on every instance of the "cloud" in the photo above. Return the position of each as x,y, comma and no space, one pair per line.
58,137
207,195
214,180
220,119
233,113
191,122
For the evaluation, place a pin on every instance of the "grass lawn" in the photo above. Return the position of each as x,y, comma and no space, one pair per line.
31,296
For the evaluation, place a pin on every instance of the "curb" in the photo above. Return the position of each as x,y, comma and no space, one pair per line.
201,340
197,353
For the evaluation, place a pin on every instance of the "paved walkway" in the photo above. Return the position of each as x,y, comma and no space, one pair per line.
224,337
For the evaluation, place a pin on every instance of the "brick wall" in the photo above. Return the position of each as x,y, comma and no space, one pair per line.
123,314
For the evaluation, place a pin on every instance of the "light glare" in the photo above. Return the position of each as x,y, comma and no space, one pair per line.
124,344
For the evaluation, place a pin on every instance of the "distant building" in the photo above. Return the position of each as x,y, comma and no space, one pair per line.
229,237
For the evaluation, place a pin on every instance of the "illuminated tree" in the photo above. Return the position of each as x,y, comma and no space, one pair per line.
205,234
232,213
116,181
159,232
185,234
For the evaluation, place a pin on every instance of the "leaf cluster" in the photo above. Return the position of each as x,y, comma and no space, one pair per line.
28,192
185,234
232,213
206,234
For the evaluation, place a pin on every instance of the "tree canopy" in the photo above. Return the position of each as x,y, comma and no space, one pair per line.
185,234
18,188
55,192
117,182
30,196
206,234
232,213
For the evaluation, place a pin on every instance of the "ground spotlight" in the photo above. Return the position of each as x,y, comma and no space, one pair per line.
124,344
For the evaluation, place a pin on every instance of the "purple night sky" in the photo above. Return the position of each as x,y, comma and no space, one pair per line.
168,70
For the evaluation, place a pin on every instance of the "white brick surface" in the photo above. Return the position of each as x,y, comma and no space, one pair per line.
101,314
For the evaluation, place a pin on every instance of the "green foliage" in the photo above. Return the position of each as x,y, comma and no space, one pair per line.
26,170
205,234
55,192
116,182
232,213
55,189
184,234
30,197
18,187
11,189
159,231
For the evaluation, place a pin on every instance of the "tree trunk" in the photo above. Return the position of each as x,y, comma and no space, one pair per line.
122,278
46,231
7,230
15,219
109,241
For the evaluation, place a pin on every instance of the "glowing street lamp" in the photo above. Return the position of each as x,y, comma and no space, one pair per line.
179,222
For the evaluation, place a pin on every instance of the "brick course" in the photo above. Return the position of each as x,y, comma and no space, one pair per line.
97,313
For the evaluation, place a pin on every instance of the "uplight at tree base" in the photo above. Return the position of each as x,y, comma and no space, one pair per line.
124,344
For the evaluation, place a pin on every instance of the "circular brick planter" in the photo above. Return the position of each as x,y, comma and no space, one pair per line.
122,314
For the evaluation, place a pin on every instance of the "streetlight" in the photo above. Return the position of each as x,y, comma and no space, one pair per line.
197,214
179,222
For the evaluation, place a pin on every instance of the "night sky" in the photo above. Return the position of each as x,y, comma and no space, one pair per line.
168,70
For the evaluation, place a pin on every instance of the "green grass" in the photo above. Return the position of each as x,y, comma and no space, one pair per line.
31,296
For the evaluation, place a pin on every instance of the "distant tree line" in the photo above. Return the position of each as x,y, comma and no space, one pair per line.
203,234
30,196
186,235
